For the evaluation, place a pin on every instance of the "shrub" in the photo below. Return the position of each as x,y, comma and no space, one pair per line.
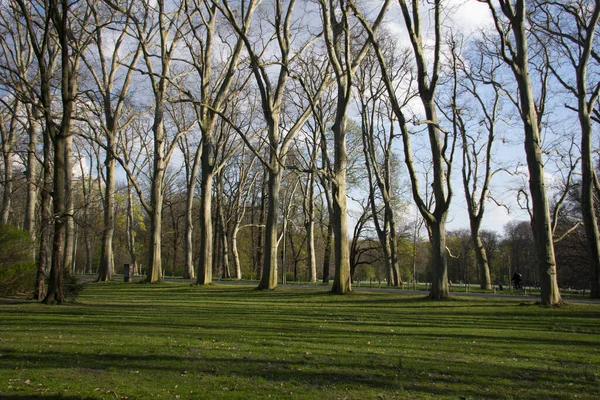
17,268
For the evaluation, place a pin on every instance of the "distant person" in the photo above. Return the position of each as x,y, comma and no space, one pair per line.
517,278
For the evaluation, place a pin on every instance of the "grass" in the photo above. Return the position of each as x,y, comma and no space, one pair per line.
174,340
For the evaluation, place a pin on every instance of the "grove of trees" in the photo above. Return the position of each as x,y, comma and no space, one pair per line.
304,140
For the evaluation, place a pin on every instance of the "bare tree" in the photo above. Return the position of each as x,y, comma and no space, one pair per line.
567,31
474,113
112,71
441,143
378,134
510,21
272,87
344,59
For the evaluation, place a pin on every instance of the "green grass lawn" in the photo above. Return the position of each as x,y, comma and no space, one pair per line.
174,340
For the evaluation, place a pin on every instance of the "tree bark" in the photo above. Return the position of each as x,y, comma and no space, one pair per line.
269,267
310,228
130,230
69,210
31,172
106,267
206,226
43,260
55,280
439,284
341,249
587,202
7,155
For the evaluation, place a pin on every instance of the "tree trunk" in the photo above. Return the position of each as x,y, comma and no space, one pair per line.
269,267
206,227
188,247
31,172
43,261
130,231
542,231
89,252
587,201
485,281
69,210
393,244
7,156
55,280
342,280
234,250
439,284
106,266
155,247
310,228
225,272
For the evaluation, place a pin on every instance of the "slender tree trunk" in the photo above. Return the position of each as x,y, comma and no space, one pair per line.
310,228
234,250
155,247
31,172
88,252
43,261
393,244
7,156
131,231
327,250
69,210
188,247
541,220
542,231
260,236
106,266
223,231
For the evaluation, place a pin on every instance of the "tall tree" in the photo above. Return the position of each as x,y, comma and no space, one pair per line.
441,143
568,32
474,108
378,134
341,44
218,81
112,70
272,84
510,21
157,27
61,15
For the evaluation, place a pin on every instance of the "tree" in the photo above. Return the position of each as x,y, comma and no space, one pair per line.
476,124
378,134
107,101
510,21
441,143
219,81
567,32
272,85
158,31
344,59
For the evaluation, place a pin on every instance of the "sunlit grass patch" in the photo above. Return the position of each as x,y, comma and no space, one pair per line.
168,340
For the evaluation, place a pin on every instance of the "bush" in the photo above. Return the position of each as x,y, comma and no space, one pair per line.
17,268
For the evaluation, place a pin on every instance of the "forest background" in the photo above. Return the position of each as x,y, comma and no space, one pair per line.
306,141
